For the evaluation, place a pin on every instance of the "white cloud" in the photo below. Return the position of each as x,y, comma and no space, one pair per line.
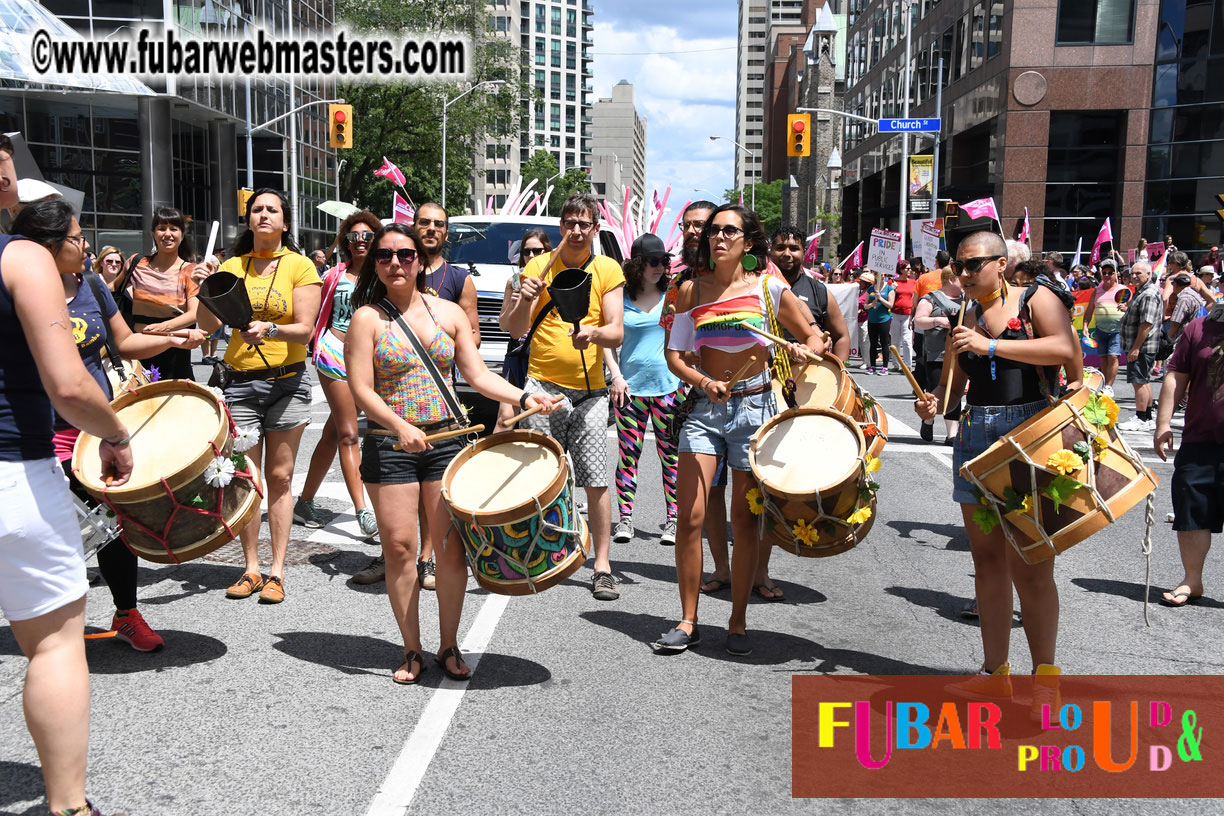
685,87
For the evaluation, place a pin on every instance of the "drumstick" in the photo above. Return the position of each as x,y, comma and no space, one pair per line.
739,374
438,437
813,356
167,332
960,321
517,418
909,375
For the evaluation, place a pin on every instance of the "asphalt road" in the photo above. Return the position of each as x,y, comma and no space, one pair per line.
291,708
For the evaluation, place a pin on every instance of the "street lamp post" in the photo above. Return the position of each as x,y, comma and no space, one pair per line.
751,155
494,83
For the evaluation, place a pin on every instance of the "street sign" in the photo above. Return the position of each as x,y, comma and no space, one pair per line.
909,125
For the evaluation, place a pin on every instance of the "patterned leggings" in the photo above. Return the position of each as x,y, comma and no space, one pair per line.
631,421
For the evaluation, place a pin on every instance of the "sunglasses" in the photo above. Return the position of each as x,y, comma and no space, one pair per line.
728,231
972,265
582,226
431,222
113,262
531,252
692,225
365,236
383,255
658,260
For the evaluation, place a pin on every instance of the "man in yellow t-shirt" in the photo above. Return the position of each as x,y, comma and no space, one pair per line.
569,363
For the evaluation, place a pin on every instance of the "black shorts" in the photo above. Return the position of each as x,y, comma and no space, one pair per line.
382,464
1198,487
1140,371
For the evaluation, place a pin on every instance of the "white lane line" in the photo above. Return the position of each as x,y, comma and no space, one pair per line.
395,794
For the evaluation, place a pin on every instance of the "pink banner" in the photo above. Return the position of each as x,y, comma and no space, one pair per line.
390,172
981,208
401,211
1105,236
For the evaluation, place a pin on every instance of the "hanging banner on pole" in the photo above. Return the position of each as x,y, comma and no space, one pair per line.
883,251
921,178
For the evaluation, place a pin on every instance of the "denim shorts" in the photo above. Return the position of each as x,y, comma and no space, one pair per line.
980,427
270,405
382,464
726,429
1108,343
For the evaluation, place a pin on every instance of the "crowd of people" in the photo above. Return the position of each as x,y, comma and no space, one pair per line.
673,345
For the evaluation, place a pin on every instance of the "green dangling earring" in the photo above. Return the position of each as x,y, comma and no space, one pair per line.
749,262
711,262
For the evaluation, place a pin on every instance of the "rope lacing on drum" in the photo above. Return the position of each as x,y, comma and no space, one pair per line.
521,565
769,508
1150,516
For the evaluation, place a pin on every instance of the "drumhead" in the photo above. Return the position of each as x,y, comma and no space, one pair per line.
502,477
784,454
170,430
817,384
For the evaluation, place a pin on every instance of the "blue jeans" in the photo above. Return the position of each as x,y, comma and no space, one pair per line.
1108,343
980,427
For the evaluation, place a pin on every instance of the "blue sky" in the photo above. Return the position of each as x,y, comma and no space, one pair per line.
686,97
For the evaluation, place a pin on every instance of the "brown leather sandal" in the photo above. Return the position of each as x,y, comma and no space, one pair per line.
454,652
411,656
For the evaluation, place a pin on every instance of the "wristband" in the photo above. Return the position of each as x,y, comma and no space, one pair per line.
124,441
701,386
523,400
993,344
994,374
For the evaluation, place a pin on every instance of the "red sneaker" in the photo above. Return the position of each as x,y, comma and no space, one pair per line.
133,630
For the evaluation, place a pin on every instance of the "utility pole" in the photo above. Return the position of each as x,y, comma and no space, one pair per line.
907,6
935,160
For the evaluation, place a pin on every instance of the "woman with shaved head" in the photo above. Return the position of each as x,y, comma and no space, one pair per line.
1008,351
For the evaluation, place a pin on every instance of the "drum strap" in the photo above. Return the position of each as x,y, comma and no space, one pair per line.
112,350
457,411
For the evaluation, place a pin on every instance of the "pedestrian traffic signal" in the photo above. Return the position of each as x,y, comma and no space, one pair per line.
799,134
340,125
1220,213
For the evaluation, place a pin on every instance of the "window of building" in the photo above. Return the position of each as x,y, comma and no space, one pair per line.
994,38
1083,169
1095,22
977,45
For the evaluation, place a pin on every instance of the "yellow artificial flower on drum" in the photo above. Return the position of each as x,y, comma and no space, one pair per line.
873,464
805,533
860,515
1026,505
755,503
1111,409
1100,444
1065,462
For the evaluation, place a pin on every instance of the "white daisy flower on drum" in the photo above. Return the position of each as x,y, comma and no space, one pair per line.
219,472
246,438
216,392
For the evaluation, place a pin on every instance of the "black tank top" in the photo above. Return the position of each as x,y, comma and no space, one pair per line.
1014,383
25,409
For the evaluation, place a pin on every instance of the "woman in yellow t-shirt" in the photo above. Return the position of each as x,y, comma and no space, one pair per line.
268,389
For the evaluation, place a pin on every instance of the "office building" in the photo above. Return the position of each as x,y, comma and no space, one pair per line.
132,146
618,146
755,18
556,41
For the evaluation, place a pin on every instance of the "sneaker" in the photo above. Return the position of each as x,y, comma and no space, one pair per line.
926,431
1107,390
676,641
668,538
1045,693
867,367
603,587
132,630
367,523
1149,425
427,571
306,514
994,685
1133,424
883,372
622,533
373,573
1170,517
970,610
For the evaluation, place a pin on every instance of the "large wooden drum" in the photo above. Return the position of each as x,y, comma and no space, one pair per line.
168,510
1045,510
511,497
812,504
825,384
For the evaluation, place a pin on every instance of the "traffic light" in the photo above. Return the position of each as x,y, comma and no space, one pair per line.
1220,213
244,196
798,134
340,125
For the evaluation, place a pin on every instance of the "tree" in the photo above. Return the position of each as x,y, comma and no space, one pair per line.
768,203
403,120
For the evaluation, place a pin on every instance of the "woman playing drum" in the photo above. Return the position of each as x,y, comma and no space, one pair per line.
708,318
1009,353
398,394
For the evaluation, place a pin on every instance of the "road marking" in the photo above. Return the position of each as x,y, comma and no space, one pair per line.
395,794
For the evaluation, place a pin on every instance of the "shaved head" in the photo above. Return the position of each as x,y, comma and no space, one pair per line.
982,243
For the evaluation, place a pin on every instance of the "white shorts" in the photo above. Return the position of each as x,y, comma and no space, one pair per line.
41,564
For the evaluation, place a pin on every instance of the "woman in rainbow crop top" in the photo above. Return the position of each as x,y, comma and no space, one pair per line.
709,312
394,388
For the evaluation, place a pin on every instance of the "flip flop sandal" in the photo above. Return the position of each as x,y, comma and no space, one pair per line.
761,589
722,584
1186,600
410,657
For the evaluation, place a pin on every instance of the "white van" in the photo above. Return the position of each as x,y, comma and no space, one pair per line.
487,245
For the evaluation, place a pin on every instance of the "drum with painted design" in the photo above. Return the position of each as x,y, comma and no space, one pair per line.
811,505
511,498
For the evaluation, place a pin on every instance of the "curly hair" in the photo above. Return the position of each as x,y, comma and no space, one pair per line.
346,226
754,233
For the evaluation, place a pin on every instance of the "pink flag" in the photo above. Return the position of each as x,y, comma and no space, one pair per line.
1105,236
401,211
658,205
809,257
390,172
855,258
981,208
741,198
1024,231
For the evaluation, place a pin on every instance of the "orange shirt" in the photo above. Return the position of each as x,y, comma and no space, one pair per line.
927,282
